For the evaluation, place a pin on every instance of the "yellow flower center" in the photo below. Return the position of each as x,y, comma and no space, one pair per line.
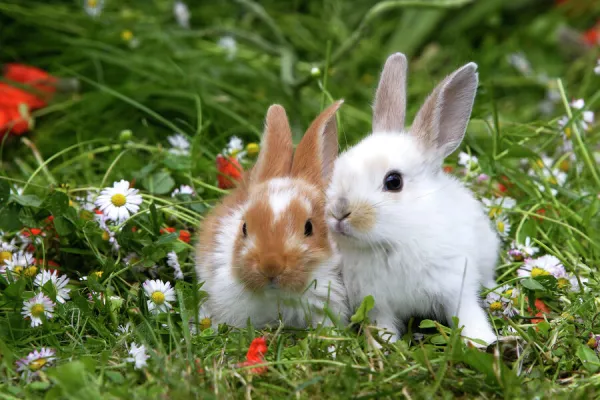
37,310
127,35
252,149
496,306
540,163
5,256
563,283
592,343
158,297
30,271
205,323
552,180
98,273
36,365
500,225
564,165
508,293
537,271
70,203
105,235
568,132
234,152
495,211
18,269
118,200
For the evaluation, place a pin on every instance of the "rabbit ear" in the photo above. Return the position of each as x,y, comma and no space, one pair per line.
389,110
276,150
442,121
318,149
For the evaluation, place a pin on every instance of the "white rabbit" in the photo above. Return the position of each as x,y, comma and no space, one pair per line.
265,253
410,235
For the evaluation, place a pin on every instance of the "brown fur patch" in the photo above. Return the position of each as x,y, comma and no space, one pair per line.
278,249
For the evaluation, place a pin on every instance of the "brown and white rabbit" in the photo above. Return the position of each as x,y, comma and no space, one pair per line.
265,253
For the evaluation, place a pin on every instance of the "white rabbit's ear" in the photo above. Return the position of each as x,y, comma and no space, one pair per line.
442,121
275,156
389,109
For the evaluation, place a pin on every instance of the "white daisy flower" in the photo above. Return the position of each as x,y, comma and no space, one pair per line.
182,14
6,251
235,147
180,143
587,116
160,294
93,8
183,189
496,205
502,226
131,258
228,44
501,301
123,329
37,306
59,283
466,160
88,202
519,251
597,68
35,361
119,201
138,356
21,263
173,262
544,265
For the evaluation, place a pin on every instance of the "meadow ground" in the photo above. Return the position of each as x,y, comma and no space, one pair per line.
147,73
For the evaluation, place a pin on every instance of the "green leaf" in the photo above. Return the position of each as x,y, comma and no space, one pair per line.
115,377
588,358
40,385
164,239
63,226
9,218
57,203
532,284
427,323
155,219
177,163
159,183
363,310
4,192
29,200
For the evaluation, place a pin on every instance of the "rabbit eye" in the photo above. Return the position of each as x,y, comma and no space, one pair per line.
244,230
308,228
393,182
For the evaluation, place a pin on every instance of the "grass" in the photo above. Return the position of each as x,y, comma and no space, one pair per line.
178,80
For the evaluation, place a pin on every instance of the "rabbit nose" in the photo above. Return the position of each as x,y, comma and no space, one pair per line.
271,267
340,209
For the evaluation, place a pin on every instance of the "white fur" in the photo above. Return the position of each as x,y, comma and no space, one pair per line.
281,194
231,303
431,247
413,259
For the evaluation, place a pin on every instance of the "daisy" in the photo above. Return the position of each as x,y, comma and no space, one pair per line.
183,189
123,329
482,178
6,251
496,205
467,160
587,116
35,361
597,67
59,283
228,44
235,147
501,301
138,356
182,14
131,258
502,225
181,145
93,8
21,263
173,262
119,201
37,306
542,266
160,294
520,251
87,202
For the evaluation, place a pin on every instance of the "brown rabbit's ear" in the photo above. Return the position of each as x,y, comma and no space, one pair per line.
276,149
389,109
441,123
318,149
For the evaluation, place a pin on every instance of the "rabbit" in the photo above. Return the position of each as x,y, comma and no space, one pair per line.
265,253
410,235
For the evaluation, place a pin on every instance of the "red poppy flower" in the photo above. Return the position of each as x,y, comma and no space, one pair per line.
11,97
255,355
592,36
230,172
184,236
448,169
166,230
12,120
542,309
36,77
